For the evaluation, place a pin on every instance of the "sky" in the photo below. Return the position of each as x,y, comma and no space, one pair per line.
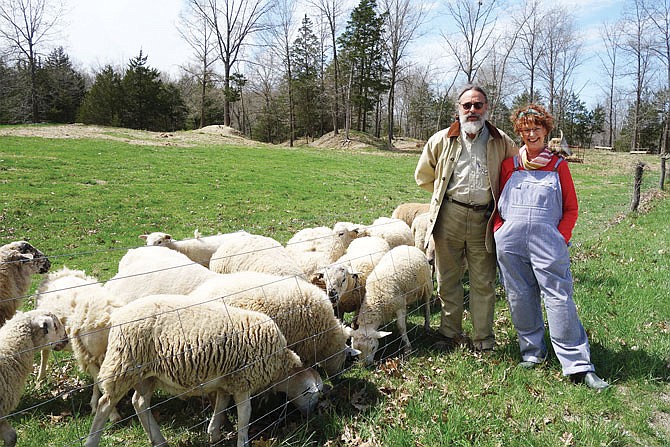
113,32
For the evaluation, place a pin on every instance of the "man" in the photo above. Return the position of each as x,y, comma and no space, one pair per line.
460,166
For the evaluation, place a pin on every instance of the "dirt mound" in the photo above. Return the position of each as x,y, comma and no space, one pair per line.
361,140
219,129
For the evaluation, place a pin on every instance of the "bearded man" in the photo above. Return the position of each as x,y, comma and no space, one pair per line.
460,166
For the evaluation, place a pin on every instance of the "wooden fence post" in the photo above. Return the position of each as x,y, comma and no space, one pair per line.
639,168
661,182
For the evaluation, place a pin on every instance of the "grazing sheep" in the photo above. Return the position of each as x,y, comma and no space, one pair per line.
20,337
401,278
251,252
395,231
84,307
407,212
301,310
211,348
345,279
313,248
199,249
154,270
18,262
419,229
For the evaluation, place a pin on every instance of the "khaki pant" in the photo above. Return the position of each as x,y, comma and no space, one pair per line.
460,235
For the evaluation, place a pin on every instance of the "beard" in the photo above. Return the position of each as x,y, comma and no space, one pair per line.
472,127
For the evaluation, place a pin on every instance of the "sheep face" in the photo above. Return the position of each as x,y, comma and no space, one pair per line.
367,342
157,238
303,388
339,280
29,257
48,330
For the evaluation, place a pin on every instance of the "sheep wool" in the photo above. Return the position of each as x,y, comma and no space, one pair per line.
395,231
314,248
407,212
401,278
187,347
18,262
23,334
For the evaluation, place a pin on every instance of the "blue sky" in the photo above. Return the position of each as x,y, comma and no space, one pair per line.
112,32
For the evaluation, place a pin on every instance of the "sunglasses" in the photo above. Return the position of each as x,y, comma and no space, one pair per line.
469,105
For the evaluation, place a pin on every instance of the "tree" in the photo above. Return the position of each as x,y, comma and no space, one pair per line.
103,103
26,25
142,90
531,47
305,54
62,88
611,35
233,22
403,19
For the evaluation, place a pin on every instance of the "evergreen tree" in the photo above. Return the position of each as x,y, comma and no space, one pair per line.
103,103
306,97
61,88
142,89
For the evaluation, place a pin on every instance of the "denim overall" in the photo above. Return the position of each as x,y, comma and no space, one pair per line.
534,263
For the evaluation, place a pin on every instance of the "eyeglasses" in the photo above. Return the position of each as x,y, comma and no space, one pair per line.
534,130
530,111
468,105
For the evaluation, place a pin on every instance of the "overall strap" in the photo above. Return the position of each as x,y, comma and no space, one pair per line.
516,162
558,162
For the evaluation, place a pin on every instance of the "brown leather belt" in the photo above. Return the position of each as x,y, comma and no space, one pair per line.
471,206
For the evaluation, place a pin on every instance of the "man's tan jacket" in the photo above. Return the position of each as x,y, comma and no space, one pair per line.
439,157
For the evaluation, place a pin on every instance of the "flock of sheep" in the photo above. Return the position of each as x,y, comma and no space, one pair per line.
229,315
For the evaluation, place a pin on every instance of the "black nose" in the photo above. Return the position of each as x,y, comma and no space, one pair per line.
46,265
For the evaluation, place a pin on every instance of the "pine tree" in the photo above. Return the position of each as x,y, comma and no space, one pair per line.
61,88
306,97
103,103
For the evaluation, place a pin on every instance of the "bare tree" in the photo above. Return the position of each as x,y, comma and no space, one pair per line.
331,10
403,19
611,36
531,48
197,33
637,45
475,21
26,25
234,23
659,14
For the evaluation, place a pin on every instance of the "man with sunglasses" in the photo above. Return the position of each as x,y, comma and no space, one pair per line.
460,166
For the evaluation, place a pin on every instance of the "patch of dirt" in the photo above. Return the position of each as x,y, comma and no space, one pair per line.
216,134
360,140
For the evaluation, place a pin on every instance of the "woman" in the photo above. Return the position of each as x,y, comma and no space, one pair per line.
537,211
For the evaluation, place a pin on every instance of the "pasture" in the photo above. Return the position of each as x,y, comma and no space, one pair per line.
85,201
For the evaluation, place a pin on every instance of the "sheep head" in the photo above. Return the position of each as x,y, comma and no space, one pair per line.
26,255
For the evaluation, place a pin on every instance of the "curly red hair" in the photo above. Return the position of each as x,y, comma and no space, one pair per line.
532,115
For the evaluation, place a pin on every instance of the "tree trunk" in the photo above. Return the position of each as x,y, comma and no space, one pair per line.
639,169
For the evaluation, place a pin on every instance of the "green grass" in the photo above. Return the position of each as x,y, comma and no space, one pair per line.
84,202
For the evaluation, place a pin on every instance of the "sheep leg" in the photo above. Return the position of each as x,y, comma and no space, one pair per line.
426,312
44,362
142,404
95,397
105,406
243,403
214,428
401,322
7,433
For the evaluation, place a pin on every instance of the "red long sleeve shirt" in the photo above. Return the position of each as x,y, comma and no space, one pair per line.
570,205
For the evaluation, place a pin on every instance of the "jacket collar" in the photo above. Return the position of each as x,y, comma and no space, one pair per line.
455,130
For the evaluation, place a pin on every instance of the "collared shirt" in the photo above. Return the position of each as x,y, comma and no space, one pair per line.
470,181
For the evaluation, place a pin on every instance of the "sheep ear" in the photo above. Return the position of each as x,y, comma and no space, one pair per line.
143,236
381,334
168,237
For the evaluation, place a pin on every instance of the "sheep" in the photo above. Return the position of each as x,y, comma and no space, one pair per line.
345,279
153,270
84,307
18,262
395,231
407,212
187,348
313,248
301,310
401,278
419,229
24,333
254,253
199,249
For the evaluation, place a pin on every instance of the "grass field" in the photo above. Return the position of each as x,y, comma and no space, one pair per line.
84,202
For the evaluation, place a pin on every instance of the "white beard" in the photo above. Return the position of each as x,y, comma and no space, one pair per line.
472,127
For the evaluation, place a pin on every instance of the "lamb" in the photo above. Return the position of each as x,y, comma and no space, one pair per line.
254,253
419,229
18,262
84,307
401,278
301,310
209,351
407,212
19,338
313,248
395,231
345,279
199,249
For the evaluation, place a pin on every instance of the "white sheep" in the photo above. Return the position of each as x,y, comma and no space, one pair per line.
20,338
252,252
154,270
395,231
187,348
401,278
301,310
18,262
84,307
419,229
199,249
407,212
345,279
314,248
